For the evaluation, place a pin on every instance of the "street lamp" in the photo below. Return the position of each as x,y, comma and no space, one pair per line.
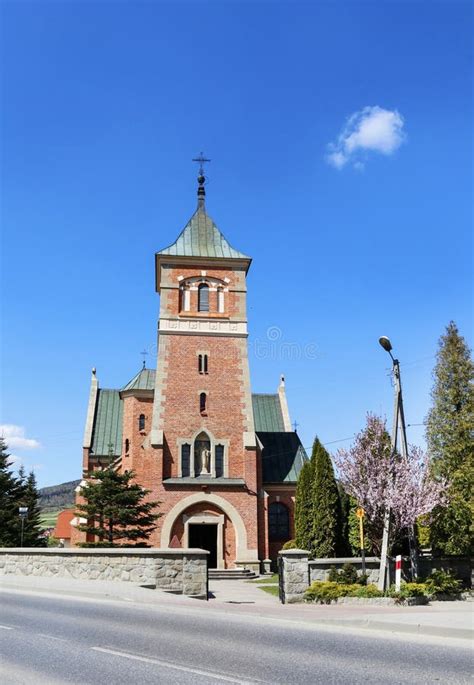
398,424
23,513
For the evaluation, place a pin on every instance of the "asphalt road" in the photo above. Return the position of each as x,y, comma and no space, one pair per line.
64,640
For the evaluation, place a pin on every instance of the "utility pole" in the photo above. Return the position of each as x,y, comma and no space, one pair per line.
398,425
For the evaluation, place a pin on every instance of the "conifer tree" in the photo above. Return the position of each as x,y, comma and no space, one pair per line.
28,497
451,443
326,524
304,507
116,509
9,488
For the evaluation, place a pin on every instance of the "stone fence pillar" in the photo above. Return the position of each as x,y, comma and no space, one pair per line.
293,574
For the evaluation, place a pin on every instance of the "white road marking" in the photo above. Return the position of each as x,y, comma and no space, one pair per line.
176,667
52,637
6,627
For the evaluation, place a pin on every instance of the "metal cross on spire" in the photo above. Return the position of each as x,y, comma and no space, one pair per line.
201,179
201,160
144,355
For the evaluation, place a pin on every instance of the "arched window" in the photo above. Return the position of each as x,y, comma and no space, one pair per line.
127,446
202,363
202,455
141,422
278,522
203,298
203,403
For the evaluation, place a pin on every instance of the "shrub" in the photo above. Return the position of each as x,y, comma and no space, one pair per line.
443,583
408,590
291,544
368,591
325,592
347,575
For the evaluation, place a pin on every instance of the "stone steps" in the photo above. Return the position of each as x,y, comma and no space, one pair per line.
231,574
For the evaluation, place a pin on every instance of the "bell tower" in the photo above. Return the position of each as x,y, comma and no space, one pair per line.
203,434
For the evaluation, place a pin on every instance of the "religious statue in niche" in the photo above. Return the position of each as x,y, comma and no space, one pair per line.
205,459
202,455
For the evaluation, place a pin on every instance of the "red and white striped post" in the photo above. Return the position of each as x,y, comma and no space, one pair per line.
398,571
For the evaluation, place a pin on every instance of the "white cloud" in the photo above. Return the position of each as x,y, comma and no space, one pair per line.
372,129
14,436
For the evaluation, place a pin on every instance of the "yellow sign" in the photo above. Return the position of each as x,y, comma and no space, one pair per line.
360,513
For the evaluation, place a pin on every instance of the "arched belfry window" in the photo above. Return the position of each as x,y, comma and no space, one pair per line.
203,298
141,422
202,455
278,522
203,403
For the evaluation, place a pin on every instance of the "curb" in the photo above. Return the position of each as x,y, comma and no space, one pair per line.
412,628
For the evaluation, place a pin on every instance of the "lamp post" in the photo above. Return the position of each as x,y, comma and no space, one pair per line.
398,425
23,513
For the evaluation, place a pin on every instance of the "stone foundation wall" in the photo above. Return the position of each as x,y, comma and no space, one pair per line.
296,572
460,567
179,570
319,568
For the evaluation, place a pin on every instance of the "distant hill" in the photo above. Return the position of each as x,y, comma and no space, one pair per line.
57,497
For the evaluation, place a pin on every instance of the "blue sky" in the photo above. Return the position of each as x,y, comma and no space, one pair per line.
105,104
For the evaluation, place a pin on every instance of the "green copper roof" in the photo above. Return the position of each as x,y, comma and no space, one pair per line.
144,380
107,424
267,413
201,238
283,457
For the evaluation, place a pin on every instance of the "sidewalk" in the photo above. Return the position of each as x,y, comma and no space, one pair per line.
239,598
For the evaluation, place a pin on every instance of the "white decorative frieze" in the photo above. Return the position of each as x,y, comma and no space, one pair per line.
203,327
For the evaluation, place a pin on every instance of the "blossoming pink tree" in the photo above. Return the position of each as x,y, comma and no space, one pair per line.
379,482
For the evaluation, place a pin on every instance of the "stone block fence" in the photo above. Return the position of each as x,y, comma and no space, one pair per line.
297,572
182,571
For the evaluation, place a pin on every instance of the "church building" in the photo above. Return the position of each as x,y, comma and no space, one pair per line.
223,462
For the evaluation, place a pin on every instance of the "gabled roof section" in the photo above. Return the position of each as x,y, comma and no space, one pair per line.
283,457
107,432
267,414
144,380
201,238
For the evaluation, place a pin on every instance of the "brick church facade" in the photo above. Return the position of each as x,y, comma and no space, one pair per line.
222,461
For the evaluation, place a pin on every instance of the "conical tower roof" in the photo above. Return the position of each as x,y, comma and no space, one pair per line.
202,238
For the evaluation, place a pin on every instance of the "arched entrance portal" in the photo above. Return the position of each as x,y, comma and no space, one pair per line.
182,515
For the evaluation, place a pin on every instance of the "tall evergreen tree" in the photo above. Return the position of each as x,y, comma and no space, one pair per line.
9,490
326,524
28,497
116,508
304,507
451,443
